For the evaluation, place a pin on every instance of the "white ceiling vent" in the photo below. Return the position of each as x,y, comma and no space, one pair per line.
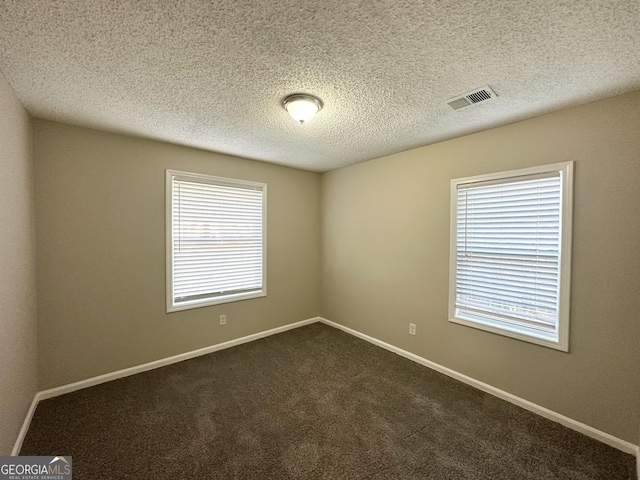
475,96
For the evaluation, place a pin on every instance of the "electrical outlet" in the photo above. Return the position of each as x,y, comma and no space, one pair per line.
223,319
412,329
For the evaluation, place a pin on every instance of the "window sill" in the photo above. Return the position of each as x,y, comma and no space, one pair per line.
504,330
214,301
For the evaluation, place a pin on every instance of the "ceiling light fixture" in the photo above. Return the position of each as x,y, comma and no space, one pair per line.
302,107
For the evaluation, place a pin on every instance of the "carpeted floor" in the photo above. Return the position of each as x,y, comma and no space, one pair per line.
309,403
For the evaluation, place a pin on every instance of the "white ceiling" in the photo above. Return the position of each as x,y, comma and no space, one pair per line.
212,74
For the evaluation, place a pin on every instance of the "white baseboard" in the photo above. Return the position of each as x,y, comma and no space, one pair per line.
90,382
521,402
25,427
107,377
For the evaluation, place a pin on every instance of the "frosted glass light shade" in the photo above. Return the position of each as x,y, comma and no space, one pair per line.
302,108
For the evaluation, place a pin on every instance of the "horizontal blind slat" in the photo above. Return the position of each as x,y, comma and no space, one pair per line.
217,242
508,249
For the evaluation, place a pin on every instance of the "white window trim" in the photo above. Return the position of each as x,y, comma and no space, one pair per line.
565,257
170,174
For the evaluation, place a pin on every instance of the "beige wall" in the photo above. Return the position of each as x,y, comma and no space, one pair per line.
386,257
18,358
100,213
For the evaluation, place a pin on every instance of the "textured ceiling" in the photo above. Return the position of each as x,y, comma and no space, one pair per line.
211,74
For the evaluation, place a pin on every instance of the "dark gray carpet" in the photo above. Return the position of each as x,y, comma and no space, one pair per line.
309,403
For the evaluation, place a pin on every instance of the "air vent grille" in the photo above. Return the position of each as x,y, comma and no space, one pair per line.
469,98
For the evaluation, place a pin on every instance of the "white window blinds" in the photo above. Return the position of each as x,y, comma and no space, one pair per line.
508,253
217,240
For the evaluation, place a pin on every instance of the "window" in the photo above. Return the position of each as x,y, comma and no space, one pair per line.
511,253
215,240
